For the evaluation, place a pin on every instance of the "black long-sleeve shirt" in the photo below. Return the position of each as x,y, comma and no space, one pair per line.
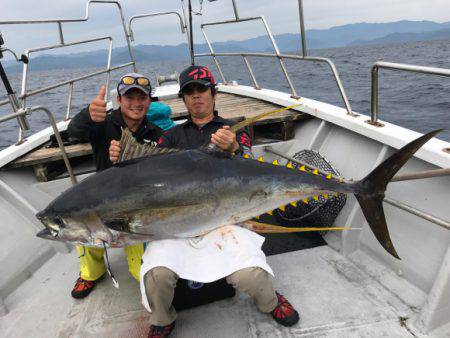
190,136
101,134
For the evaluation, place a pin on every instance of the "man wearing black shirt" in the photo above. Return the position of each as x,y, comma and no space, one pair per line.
102,128
158,280
204,124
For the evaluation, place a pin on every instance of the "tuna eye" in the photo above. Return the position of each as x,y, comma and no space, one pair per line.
58,221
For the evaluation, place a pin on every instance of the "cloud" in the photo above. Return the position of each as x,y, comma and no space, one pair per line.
282,16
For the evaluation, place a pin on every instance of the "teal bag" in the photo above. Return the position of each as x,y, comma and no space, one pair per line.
158,113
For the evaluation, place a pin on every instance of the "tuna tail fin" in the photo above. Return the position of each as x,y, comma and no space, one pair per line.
371,193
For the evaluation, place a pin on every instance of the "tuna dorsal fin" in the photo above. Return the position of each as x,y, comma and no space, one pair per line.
130,148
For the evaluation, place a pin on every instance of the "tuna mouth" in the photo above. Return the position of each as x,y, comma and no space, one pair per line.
47,233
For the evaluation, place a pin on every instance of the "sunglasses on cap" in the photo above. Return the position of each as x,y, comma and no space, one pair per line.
190,88
129,80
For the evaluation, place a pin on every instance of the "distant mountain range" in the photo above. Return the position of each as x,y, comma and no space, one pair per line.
340,36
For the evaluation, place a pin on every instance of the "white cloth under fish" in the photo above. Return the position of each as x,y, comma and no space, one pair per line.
207,258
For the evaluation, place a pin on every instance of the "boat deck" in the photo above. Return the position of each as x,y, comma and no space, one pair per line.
47,161
231,106
334,296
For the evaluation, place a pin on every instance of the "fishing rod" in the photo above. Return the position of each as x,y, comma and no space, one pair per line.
14,101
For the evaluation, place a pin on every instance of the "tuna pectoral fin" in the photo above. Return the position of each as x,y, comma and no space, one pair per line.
370,190
264,228
118,224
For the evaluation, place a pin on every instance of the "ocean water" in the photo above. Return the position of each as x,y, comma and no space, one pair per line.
415,101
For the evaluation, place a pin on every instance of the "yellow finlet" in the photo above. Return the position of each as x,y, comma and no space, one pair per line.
294,204
329,176
270,213
316,172
336,194
289,165
326,195
260,159
256,217
246,156
282,208
316,198
276,162
305,201
303,168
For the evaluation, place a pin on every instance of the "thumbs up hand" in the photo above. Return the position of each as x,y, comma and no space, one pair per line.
97,108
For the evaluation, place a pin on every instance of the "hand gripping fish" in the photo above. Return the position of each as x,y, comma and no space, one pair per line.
167,193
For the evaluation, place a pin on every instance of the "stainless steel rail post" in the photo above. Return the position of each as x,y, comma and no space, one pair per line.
186,19
61,35
337,78
236,14
69,101
213,54
302,27
396,66
29,111
280,59
250,71
108,68
73,179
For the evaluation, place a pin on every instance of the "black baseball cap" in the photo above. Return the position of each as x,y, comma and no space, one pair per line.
196,74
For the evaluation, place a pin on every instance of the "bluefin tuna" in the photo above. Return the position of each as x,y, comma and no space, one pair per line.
188,193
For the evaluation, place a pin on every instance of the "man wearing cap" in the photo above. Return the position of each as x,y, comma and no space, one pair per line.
232,252
103,128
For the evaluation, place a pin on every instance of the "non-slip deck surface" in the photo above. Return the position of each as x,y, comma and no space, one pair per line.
335,299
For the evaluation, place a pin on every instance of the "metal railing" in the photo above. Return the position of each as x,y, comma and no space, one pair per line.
276,55
272,40
149,15
24,94
140,16
28,112
59,22
421,175
293,57
396,66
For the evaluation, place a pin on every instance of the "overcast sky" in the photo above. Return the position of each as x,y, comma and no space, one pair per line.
282,16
